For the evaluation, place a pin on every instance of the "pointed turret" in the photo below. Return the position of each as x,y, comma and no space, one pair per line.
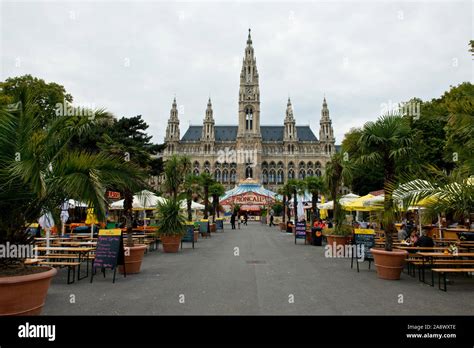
326,132
172,131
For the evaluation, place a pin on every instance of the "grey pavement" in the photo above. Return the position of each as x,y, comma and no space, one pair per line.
271,275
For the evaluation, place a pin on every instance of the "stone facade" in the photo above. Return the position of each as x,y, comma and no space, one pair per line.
270,154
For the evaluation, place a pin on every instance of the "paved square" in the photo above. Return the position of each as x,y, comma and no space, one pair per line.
269,272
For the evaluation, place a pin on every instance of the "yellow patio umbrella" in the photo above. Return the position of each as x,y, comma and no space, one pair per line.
91,219
323,213
358,204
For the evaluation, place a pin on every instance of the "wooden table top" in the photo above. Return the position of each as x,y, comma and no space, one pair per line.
74,249
420,248
78,243
445,255
33,261
53,238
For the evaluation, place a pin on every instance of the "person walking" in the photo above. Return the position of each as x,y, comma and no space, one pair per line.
232,220
271,219
246,218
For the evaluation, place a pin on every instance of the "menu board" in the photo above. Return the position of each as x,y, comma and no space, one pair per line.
300,230
109,252
365,237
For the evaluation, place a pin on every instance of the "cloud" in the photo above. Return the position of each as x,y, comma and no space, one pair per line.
134,57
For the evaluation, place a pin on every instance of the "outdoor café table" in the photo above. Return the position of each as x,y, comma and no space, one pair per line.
80,236
82,252
29,262
78,243
430,256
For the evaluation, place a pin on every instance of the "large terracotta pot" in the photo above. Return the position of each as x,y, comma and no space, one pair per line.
212,227
170,243
196,236
25,294
339,240
133,261
389,264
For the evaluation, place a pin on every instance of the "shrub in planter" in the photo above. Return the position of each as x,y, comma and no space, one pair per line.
340,236
171,224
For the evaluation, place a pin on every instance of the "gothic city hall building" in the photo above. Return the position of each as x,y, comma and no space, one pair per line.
269,154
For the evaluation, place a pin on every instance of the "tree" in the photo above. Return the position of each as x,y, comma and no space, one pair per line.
389,141
216,190
126,138
315,185
338,170
38,170
286,192
191,187
48,98
363,181
206,181
449,193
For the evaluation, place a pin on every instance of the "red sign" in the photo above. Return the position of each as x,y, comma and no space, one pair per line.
113,195
250,198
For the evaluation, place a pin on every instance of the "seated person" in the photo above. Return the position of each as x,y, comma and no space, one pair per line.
413,237
424,241
403,233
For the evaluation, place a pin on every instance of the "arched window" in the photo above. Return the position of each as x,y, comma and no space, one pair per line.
249,172
272,176
302,165
248,118
310,172
302,174
217,175
280,177
318,172
225,176
196,171
232,176
264,177
291,174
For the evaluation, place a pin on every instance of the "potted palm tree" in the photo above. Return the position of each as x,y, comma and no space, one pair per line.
206,181
285,192
315,185
216,190
338,170
171,224
39,170
387,140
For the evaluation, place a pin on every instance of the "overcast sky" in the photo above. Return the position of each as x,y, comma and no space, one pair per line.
133,57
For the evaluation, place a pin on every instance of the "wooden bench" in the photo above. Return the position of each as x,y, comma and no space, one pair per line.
438,263
69,265
443,271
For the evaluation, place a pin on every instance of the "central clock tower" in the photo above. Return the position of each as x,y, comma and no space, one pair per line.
249,94
249,138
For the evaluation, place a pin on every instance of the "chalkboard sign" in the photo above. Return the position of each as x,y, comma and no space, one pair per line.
300,231
365,237
109,251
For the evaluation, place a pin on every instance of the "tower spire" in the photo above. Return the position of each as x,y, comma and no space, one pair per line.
249,38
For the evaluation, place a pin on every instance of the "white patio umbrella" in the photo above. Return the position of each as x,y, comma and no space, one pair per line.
142,200
299,208
64,216
343,200
46,221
